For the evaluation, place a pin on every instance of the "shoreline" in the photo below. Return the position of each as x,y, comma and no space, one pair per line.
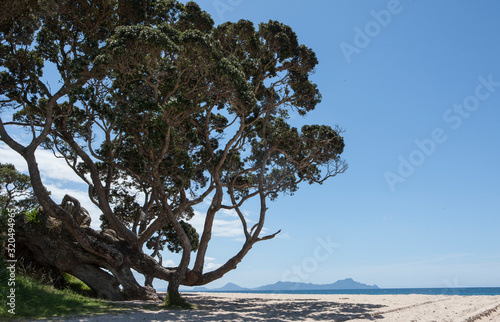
318,307
460,291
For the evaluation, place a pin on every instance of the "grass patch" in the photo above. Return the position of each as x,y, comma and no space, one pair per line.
78,286
35,300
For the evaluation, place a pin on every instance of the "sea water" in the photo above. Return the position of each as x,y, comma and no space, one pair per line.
465,291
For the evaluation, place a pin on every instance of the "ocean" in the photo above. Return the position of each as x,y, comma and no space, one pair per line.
465,291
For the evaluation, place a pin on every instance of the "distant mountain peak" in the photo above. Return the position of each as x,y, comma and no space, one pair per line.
345,284
231,287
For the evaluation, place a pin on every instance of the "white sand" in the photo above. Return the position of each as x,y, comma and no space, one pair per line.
302,307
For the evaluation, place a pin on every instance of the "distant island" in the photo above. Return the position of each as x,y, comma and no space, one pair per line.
346,284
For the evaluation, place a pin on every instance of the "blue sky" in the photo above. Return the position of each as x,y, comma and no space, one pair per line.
416,86
436,226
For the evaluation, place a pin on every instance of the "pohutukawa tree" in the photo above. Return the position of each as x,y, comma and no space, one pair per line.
158,110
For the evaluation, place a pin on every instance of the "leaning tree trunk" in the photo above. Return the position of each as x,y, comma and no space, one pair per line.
52,245
60,252
131,287
148,280
104,284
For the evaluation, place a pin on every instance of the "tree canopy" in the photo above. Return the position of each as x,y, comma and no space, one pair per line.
158,110
15,190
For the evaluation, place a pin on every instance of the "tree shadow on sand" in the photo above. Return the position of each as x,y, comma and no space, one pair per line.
213,308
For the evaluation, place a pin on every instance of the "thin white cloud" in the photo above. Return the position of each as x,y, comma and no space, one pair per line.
61,180
437,259
8,155
169,263
211,264
228,213
225,225
222,227
51,168
58,178
425,262
284,235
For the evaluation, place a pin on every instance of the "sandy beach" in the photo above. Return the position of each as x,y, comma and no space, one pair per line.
307,307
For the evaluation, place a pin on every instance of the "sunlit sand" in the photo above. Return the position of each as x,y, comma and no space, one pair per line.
307,307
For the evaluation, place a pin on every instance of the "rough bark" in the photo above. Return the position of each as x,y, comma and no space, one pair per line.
104,284
173,295
52,245
131,288
56,253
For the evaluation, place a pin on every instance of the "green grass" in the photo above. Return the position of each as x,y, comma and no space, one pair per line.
35,300
78,286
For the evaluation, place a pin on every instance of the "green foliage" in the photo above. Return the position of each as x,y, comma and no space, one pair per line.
153,71
15,189
16,197
168,236
31,216
159,110
77,286
36,300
